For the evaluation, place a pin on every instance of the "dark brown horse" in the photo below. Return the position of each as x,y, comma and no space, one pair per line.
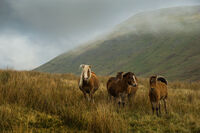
119,88
158,92
119,76
88,82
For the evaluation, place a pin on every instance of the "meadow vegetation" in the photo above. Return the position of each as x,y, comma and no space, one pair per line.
41,102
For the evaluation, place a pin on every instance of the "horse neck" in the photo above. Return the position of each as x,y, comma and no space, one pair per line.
153,85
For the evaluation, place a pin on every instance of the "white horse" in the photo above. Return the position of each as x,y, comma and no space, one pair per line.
88,82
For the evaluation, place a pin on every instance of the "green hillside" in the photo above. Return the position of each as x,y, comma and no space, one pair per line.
165,41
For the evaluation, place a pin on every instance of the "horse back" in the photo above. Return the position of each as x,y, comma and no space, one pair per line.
163,89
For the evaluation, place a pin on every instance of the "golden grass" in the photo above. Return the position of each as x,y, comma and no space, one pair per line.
41,102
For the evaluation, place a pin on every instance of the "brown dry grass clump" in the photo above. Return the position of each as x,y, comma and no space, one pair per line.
41,102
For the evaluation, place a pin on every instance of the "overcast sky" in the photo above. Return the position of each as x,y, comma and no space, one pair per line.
34,31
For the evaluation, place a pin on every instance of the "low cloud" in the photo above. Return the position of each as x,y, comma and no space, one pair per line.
18,52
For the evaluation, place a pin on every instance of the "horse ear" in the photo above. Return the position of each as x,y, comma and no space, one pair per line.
82,66
153,77
156,76
120,73
124,75
90,66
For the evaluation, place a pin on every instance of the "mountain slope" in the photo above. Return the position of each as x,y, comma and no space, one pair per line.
165,41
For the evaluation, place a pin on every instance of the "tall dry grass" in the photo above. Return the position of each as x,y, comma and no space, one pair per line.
41,102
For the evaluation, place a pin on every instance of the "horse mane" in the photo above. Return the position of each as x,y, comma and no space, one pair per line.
128,74
162,79
93,73
119,75
81,80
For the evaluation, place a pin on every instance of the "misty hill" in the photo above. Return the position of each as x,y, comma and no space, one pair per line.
165,41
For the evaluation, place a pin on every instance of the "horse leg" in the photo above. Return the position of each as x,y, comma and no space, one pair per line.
87,97
159,108
152,106
165,105
123,102
91,97
129,98
85,94
118,99
119,103
124,95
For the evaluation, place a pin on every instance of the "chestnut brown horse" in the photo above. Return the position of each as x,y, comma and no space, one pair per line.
88,82
158,92
119,88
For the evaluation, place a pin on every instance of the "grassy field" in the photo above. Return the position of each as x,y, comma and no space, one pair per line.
41,102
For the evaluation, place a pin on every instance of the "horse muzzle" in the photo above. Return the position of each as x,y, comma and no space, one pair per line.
85,79
134,85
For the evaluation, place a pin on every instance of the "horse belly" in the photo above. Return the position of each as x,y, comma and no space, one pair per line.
113,92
